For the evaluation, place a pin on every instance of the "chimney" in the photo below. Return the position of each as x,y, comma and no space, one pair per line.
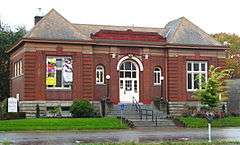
37,19
38,16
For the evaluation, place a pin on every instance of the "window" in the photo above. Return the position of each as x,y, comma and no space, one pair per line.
196,74
157,76
59,72
18,68
99,74
128,70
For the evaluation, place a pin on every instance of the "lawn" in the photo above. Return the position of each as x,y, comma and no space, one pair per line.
174,143
61,124
194,122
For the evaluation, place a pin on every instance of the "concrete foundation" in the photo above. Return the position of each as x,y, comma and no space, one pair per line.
30,107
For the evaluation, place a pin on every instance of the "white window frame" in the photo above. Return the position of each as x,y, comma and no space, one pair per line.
192,72
18,68
100,72
157,76
62,86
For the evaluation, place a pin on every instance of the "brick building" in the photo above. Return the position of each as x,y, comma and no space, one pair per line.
58,61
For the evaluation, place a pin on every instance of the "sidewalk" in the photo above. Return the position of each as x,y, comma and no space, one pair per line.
118,136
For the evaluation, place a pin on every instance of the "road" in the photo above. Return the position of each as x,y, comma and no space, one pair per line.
71,137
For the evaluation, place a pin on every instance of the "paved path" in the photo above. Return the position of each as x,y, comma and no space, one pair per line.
42,138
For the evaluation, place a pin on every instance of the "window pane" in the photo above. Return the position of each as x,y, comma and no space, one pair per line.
133,74
121,84
99,68
203,78
59,78
196,66
189,66
127,74
59,63
155,77
158,78
121,74
101,76
157,69
203,66
196,81
189,81
127,65
133,67
122,67
135,86
128,85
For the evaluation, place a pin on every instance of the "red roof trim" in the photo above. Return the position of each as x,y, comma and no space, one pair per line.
128,35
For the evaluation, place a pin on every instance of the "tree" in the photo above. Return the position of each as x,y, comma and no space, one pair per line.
233,59
210,90
7,38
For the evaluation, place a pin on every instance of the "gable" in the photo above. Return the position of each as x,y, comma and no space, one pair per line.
182,31
54,26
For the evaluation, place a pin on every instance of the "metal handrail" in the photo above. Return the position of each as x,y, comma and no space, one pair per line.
140,110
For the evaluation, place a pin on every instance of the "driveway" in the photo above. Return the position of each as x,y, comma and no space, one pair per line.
66,138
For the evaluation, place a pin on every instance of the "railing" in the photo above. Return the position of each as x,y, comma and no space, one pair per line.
145,112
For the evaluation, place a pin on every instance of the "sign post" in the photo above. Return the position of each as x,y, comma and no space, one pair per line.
209,117
209,133
12,104
122,107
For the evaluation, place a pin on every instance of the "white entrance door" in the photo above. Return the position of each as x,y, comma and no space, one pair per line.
129,82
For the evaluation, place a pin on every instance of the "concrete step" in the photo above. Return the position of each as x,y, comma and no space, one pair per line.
132,116
166,123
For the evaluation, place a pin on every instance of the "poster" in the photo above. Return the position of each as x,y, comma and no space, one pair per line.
67,71
12,104
51,72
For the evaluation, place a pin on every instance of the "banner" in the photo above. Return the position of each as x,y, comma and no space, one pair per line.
67,71
51,72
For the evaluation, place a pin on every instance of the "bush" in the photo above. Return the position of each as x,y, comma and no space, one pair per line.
55,111
82,108
5,106
13,115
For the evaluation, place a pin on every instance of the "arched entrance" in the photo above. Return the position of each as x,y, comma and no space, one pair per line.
128,81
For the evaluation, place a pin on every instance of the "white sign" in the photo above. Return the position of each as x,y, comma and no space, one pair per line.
12,104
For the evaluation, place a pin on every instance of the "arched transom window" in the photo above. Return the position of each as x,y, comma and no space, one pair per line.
99,74
157,76
128,70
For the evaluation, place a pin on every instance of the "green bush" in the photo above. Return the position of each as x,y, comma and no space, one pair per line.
5,106
55,111
14,115
82,108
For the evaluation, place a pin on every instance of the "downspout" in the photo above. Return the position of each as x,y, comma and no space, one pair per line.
166,79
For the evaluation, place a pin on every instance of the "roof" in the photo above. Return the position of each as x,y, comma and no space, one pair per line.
56,27
182,31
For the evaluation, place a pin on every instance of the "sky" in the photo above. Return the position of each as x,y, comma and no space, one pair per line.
213,16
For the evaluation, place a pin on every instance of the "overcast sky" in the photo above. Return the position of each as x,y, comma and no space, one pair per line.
213,16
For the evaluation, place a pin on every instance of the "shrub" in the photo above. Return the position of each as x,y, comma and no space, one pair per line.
81,108
5,106
55,111
14,115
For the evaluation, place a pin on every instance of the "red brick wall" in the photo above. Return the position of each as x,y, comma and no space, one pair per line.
32,86
177,90
16,83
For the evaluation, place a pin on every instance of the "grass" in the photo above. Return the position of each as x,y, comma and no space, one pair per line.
61,124
173,143
194,122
